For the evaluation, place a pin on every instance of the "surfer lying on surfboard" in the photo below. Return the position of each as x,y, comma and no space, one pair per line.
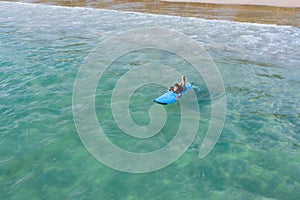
174,93
178,88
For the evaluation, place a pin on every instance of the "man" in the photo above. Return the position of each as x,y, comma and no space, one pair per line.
179,88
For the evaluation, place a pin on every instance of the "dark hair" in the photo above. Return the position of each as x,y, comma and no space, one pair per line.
179,88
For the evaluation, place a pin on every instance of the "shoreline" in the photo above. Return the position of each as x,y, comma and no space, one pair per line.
260,14
270,3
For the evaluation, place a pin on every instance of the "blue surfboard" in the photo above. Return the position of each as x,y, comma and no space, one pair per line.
170,97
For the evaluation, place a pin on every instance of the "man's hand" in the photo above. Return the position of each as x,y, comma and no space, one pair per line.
178,96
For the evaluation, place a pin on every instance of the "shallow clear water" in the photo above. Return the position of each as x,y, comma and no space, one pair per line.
42,157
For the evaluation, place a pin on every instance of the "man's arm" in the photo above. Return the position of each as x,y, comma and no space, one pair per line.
180,95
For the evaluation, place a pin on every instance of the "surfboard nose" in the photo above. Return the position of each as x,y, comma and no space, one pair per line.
160,102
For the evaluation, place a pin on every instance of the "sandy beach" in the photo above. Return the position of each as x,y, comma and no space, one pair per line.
280,12
274,3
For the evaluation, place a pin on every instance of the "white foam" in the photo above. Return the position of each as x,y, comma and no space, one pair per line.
75,8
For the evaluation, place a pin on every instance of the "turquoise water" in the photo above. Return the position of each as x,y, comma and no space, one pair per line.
256,157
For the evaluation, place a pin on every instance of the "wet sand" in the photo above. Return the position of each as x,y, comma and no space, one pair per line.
242,13
274,3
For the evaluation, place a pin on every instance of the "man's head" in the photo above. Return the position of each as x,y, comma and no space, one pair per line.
176,86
